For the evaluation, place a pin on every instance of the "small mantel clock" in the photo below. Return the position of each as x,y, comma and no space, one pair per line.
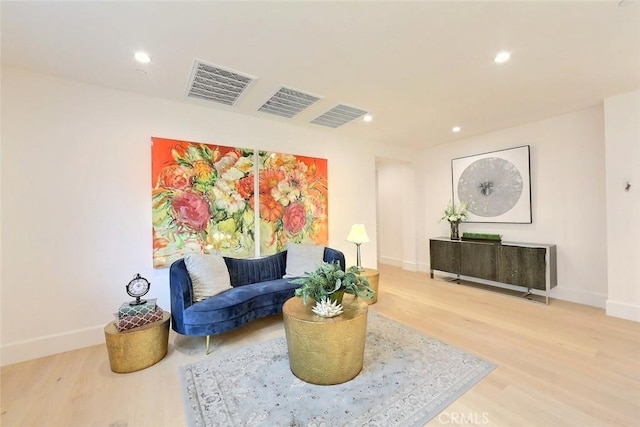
137,288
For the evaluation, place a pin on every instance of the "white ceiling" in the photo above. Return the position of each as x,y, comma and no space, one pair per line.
418,67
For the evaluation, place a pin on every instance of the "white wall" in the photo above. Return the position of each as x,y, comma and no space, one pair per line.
397,214
622,130
409,217
76,205
568,197
390,209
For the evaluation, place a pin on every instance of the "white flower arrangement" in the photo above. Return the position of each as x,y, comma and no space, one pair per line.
455,214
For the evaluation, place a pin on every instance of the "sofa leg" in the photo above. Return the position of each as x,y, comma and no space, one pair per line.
208,340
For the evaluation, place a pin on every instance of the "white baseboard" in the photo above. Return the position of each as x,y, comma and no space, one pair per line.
579,296
59,343
396,262
45,346
410,266
623,310
423,267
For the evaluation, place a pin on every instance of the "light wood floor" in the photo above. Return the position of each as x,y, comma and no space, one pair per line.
558,365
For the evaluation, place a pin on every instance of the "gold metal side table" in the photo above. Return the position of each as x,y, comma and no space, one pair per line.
373,276
137,348
323,350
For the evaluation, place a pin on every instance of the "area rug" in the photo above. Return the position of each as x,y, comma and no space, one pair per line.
407,379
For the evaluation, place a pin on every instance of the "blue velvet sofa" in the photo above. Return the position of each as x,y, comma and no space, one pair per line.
258,291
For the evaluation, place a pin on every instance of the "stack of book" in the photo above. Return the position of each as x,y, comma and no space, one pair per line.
132,316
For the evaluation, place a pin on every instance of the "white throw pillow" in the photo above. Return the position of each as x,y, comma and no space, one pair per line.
303,259
209,275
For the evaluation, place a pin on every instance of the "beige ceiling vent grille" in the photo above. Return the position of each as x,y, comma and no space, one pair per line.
217,84
338,115
287,102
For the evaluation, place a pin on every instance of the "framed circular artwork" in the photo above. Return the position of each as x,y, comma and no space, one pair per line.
496,186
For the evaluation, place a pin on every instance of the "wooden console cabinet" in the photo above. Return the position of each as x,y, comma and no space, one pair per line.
529,265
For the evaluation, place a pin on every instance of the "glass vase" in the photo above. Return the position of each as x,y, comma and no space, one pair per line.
455,230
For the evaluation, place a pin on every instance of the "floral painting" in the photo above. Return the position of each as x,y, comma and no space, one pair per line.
293,201
201,200
204,200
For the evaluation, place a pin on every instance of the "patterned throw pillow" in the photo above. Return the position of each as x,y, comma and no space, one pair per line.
209,275
303,259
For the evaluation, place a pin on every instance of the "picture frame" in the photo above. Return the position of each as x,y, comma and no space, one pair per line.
235,201
496,186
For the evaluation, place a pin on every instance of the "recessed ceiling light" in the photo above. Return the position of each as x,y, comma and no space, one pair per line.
367,118
142,57
501,57
456,129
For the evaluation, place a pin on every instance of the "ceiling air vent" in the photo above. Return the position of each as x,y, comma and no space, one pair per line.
287,102
217,84
338,115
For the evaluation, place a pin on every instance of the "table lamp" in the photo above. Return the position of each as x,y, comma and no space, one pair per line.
358,235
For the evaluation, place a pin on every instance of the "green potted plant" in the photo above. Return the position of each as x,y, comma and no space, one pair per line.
329,282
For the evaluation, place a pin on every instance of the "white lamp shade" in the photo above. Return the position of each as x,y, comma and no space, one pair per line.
358,234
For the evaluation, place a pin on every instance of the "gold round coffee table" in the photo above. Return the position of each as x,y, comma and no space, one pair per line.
322,350
137,348
374,277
